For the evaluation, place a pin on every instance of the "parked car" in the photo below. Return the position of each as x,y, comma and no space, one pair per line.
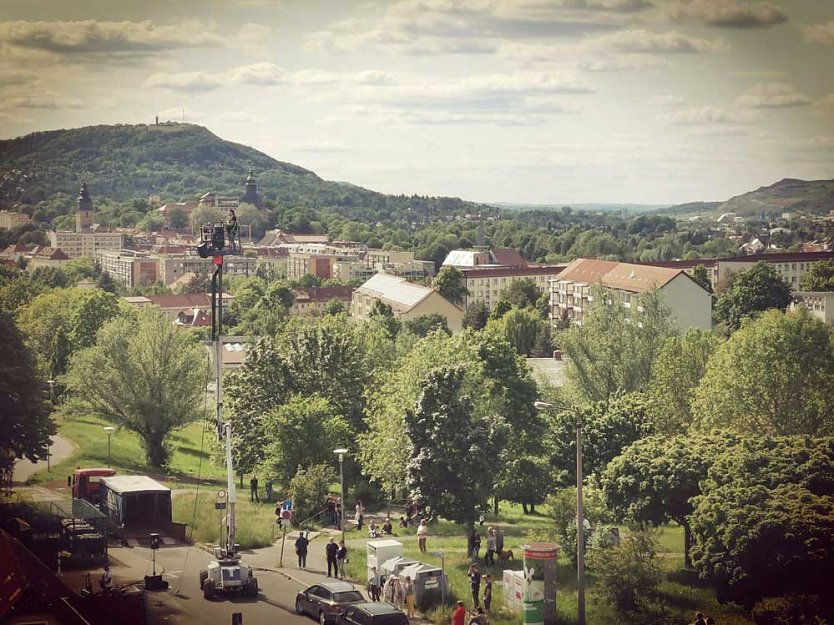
367,613
326,601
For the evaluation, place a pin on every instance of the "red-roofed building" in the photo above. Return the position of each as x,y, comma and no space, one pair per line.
571,292
43,256
312,300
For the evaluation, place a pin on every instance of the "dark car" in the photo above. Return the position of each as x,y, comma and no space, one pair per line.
327,601
378,613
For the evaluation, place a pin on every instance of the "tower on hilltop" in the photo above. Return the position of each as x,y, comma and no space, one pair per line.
84,211
250,194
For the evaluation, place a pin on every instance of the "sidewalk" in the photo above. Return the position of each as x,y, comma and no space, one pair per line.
59,450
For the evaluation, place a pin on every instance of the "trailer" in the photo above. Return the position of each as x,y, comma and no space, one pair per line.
136,502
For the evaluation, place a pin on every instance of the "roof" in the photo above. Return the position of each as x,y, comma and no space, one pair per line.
778,257
376,607
322,294
50,253
385,542
461,258
337,586
621,276
507,272
508,257
399,293
134,484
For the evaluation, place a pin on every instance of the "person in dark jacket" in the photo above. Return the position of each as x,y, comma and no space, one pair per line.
331,550
341,559
301,544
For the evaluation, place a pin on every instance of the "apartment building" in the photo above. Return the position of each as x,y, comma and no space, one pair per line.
172,267
819,303
486,283
86,244
571,291
313,300
129,267
406,299
9,220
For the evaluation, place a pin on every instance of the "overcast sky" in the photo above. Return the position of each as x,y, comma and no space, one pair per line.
644,101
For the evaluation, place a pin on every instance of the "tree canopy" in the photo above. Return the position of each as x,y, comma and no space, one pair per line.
451,284
753,291
820,277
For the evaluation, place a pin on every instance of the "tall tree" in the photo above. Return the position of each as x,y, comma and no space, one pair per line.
753,291
476,315
676,373
774,376
654,479
614,348
451,284
454,443
521,293
520,327
820,277
25,425
143,375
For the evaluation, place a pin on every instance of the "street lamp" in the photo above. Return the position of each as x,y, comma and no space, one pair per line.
109,429
49,445
341,453
580,516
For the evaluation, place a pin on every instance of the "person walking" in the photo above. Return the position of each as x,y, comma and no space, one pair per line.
422,534
341,558
487,591
474,545
408,590
360,515
253,489
474,584
301,545
388,590
489,557
331,550
374,584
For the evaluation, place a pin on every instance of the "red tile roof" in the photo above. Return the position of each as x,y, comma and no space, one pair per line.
622,276
508,257
507,272
323,294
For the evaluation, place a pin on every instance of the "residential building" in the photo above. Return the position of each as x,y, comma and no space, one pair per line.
173,305
479,256
406,299
87,238
175,266
43,256
571,292
486,283
273,238
129,267
313,300
792,266
9,220
14,253
819,303
318,260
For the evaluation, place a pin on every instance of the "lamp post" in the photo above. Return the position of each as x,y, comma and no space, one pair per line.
109,429
580,516
341,453
49,445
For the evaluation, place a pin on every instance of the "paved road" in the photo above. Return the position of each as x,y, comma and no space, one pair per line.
59,450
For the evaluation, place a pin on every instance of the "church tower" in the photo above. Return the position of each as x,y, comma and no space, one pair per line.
250,194
84,212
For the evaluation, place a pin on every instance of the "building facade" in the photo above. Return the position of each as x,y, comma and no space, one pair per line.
9,220
129,267
406,299
485,284
819,303
571,293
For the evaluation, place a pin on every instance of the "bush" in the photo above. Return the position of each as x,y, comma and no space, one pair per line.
309,489
790,610
628,576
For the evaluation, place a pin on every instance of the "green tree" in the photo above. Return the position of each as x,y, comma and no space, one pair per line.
177,218
676,373
701,275
501,308
106,283
753,291
383,314
451,284
519,327
309,489
614,348
302,433
607,429
476,315
25,425
203,215
521,293
334,307
453,443
654,479
422,325
820,277
143,375
197,283
764,525
773,376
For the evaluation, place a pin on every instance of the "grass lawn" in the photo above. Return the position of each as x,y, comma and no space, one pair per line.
190,459
682,591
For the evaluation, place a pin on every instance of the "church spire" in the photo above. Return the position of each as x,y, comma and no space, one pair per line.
250,193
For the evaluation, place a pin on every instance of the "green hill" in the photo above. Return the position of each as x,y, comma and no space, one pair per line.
176,162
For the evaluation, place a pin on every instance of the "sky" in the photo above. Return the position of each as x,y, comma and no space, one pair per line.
534,101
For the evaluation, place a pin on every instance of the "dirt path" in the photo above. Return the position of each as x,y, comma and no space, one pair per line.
59,450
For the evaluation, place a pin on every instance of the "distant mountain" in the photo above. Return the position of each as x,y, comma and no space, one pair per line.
585,206
814,197
177,162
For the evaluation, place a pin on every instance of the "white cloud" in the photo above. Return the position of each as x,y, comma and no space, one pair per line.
772,95
388,116
240,116
728,13
624,62
707,116
185,81
644,41
666,100
820,33
91,37
47,102
17,77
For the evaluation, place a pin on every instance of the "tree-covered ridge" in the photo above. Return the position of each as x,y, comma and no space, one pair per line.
175,161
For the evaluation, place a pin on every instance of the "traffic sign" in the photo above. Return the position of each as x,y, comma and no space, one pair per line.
286,514
287,504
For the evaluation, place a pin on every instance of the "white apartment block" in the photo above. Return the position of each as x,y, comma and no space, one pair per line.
86,244
819,303
129,267
173,267
487,283
571,292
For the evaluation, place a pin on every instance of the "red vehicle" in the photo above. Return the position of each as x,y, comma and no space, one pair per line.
85,483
